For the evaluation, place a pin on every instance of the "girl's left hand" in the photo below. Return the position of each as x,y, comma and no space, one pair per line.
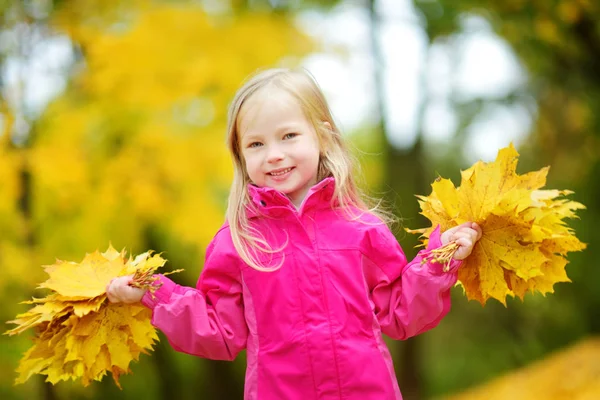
465,235
119,291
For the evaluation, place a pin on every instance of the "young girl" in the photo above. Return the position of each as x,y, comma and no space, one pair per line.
303,275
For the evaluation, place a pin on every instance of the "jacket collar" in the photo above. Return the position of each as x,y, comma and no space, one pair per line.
265,199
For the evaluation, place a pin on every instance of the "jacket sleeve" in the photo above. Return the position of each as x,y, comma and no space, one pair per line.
408,298
206,321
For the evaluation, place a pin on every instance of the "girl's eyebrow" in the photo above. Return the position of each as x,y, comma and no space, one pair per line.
287,127
251,137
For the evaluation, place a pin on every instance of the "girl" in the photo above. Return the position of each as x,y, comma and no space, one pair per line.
303,275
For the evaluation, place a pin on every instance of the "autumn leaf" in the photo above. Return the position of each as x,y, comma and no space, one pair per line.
86,279
79,334
525,238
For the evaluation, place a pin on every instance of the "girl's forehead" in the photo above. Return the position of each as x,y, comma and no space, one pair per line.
267,103
267,97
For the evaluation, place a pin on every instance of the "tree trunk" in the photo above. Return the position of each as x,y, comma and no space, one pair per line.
24,202
404,175
406,178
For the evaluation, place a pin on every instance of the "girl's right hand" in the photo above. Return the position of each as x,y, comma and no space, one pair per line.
465,235
119,291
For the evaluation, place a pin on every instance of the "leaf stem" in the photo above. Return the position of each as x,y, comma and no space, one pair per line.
442,255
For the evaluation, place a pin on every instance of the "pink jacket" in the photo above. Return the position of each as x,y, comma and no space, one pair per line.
312,329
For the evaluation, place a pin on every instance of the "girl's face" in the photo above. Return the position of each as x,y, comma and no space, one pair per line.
279,144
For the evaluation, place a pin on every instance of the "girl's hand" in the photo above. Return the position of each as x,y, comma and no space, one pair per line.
119,291
465,235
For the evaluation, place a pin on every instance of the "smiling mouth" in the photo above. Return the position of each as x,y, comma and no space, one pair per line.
280,172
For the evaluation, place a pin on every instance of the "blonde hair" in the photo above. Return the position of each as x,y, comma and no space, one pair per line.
335,159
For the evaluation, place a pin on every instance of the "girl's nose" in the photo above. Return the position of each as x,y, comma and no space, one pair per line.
275,154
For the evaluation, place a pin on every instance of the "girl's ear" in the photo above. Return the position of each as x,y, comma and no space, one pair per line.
327,125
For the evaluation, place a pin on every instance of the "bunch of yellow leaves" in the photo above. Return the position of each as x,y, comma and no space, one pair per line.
79,333
525,239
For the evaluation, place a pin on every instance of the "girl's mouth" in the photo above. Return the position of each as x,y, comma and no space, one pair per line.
280,172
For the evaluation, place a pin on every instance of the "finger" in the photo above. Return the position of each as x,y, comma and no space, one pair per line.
463,235
111,297
479,232
123,281
108,290
459,227
466,246
464,242
475,226
459,255
472,233
130,294
133,295
451,234
114,290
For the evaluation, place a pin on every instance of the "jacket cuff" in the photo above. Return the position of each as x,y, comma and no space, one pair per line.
161,295
435,241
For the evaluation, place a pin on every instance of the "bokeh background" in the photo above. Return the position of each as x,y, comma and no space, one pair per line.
112,124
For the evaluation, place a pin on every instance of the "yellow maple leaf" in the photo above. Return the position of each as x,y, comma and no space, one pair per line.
86,279
525,237
79,334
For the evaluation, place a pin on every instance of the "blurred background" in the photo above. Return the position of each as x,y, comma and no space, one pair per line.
112,125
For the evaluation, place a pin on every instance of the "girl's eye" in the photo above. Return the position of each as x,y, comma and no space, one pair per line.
290,135
255,144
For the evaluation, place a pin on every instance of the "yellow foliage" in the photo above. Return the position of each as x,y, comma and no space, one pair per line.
79,334
191,53
141,129
524,240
